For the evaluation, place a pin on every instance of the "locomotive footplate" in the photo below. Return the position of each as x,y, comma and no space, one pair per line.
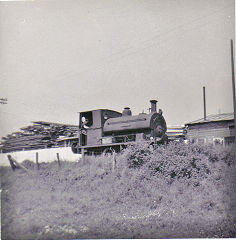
97,149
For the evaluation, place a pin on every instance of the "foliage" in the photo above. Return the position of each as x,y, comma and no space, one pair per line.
179,161
174,190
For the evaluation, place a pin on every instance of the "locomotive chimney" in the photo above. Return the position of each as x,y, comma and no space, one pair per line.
153,105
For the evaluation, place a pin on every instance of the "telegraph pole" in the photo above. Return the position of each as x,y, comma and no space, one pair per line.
204,103
233,86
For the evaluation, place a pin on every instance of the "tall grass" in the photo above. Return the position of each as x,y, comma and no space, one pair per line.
176,190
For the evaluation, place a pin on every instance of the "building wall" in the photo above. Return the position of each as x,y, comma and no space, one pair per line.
212,132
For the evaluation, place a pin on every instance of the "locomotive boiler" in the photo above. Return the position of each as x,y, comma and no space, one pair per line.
103,129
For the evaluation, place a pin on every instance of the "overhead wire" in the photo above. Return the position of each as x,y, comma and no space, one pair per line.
144,45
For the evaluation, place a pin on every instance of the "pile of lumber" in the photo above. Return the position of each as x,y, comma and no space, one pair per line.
176,132
37,136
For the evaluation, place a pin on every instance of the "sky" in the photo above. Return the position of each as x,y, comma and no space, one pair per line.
58,58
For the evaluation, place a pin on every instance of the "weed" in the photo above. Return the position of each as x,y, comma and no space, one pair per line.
175,190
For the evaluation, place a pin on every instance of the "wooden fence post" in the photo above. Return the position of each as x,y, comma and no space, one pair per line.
14,164
58,160
83,155
37,160
113,160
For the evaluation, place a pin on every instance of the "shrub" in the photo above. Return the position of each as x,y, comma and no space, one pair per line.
174,190
179,161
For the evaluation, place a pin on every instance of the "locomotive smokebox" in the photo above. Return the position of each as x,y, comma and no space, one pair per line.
153,105
126,112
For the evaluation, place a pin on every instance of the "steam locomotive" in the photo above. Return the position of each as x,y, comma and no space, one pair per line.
103,129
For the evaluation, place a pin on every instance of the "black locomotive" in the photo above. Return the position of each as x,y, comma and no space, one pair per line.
104,129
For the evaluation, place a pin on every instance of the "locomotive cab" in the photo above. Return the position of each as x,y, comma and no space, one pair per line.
91,125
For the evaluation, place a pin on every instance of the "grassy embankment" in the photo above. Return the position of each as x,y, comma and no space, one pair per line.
177,190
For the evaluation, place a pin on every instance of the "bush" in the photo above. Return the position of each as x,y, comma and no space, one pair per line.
175,190
179,161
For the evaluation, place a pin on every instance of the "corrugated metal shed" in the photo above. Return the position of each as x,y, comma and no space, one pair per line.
215,128
213,118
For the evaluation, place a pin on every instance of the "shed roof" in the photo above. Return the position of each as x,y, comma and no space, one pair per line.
213,118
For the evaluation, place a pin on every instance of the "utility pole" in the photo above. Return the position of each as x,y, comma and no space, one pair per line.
233,86
204,102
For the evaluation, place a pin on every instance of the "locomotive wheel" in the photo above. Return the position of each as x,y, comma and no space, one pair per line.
74,148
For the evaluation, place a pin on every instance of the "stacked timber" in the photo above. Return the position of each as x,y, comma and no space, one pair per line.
37,136
176,133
